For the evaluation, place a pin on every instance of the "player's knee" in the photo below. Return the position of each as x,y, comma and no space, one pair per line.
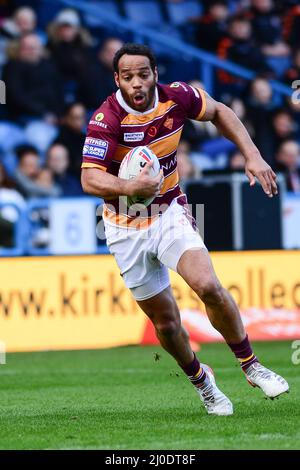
210,292
168,327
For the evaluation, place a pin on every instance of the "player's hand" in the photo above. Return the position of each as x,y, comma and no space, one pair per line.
146,186
258,168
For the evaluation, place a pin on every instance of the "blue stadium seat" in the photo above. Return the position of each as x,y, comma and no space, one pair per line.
206,162
11,135
40,134
179,13
144,12
93,20
216,146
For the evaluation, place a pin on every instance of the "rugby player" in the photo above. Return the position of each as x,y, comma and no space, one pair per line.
144,112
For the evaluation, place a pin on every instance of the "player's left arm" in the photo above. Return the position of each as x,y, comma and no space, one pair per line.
233,129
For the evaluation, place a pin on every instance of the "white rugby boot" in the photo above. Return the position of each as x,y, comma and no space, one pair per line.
270,383
215,402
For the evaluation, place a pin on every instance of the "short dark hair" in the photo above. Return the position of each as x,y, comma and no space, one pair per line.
134,49
23,150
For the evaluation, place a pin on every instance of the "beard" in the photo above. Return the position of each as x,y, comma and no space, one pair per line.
146,104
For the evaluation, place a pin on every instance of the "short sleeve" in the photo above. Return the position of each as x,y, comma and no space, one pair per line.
101,141
191,99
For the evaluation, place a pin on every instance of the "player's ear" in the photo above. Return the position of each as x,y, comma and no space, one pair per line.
116,76
156,74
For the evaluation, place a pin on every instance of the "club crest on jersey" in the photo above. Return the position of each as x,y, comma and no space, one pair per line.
169,123
152,131
133,136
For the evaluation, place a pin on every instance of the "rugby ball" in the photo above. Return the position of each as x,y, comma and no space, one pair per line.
132,164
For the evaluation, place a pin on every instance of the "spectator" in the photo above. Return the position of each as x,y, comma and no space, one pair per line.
260,108
30,178
32,82
284,127
240,46
45,180
72,135
238,107
8,214
185,167
25,20
212,26
267,30
22,22
288,159
69,44
58,163
101,72
267,25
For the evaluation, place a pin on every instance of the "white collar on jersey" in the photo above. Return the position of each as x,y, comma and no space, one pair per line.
130,110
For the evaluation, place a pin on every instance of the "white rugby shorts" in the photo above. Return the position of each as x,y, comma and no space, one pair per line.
143,255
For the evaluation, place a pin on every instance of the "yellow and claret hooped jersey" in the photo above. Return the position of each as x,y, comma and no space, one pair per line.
115,129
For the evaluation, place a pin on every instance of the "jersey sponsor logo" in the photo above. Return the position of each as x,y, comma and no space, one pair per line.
100,124
95,148
152,131
99,117
171,164
133,136
169,123
177,85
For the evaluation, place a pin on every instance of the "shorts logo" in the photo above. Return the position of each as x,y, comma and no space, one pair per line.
133,136
99,117
152,131
95,148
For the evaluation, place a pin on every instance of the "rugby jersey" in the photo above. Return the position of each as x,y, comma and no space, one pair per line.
115,129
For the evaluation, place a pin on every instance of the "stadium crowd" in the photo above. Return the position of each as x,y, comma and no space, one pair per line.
57,76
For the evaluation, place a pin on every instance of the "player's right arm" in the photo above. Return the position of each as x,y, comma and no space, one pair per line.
98,151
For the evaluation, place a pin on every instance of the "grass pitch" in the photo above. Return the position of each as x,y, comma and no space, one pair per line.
125,398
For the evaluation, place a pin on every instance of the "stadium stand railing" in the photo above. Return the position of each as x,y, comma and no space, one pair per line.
27,228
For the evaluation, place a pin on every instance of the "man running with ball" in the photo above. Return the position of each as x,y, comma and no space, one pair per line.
144,112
